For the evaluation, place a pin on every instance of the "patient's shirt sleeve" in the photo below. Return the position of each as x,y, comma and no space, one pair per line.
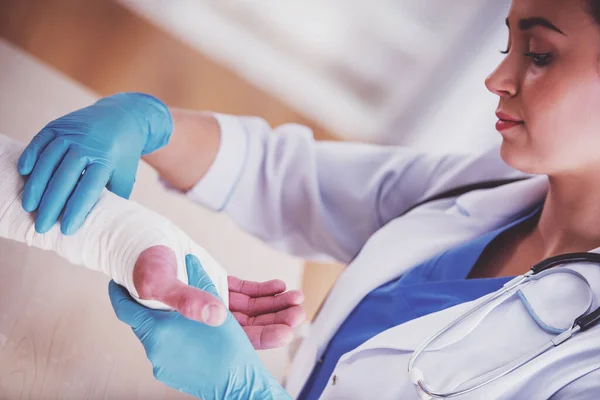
113,236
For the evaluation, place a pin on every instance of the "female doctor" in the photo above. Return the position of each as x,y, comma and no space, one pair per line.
414,263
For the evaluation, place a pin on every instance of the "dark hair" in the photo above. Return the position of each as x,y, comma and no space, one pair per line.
594,9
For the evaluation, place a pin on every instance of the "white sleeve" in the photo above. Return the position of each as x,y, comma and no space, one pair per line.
585,388
114,234
323,200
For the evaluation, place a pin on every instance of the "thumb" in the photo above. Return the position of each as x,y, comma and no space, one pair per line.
198,277
155,278
126,309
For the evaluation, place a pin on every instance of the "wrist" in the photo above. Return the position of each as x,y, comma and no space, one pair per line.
152,115
191,152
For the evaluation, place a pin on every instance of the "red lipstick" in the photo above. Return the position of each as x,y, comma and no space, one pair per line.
506,121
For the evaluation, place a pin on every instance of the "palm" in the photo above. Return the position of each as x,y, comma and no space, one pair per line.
266,312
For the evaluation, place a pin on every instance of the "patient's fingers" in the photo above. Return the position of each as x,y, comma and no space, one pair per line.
256,289
270,336
155,278
291,317
254,306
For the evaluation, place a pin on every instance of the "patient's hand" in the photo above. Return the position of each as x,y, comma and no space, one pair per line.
211,363
265,311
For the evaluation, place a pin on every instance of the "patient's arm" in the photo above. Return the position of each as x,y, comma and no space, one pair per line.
145,253
117,234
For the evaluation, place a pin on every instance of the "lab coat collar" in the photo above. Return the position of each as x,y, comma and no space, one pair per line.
507,202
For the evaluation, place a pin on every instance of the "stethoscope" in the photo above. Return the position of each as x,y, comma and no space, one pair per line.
582,323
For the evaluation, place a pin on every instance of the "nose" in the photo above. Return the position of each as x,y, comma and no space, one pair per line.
503,80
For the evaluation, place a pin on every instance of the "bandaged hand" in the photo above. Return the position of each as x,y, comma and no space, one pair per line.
145,253
116,233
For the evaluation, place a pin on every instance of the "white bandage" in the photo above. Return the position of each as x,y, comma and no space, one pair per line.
113,236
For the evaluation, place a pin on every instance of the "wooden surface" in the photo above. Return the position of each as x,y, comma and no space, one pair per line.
59,338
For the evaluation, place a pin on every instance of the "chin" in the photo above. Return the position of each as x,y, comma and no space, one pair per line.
519,158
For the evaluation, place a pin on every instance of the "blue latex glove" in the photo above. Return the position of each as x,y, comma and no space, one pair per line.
207,362
106,140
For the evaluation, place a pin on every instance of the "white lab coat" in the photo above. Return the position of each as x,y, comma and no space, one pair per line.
342,201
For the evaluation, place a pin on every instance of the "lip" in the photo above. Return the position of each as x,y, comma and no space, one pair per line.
506,121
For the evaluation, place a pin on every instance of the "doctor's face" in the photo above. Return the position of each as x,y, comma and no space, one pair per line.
549,88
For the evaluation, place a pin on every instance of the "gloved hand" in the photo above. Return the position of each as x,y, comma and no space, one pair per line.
206,362
104,142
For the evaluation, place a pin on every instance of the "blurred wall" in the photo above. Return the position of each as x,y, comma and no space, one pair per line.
459,116
107,48
358,67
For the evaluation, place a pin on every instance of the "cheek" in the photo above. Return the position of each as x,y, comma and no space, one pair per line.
562,114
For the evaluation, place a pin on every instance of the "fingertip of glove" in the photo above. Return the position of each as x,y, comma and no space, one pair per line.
68,230
70,225
192,260
28,204
41,226
24,165
23,168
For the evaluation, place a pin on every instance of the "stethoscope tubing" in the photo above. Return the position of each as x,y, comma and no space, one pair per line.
582,323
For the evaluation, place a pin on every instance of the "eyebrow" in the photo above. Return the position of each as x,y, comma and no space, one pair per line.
529,23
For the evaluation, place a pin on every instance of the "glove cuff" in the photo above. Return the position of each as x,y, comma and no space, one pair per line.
152,114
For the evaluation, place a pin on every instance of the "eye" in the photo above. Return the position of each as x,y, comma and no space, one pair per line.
540,59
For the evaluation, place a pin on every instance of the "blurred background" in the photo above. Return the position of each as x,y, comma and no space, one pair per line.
398,72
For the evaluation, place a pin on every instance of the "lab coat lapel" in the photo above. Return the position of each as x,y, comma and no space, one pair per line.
421,235
410,335
418,235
